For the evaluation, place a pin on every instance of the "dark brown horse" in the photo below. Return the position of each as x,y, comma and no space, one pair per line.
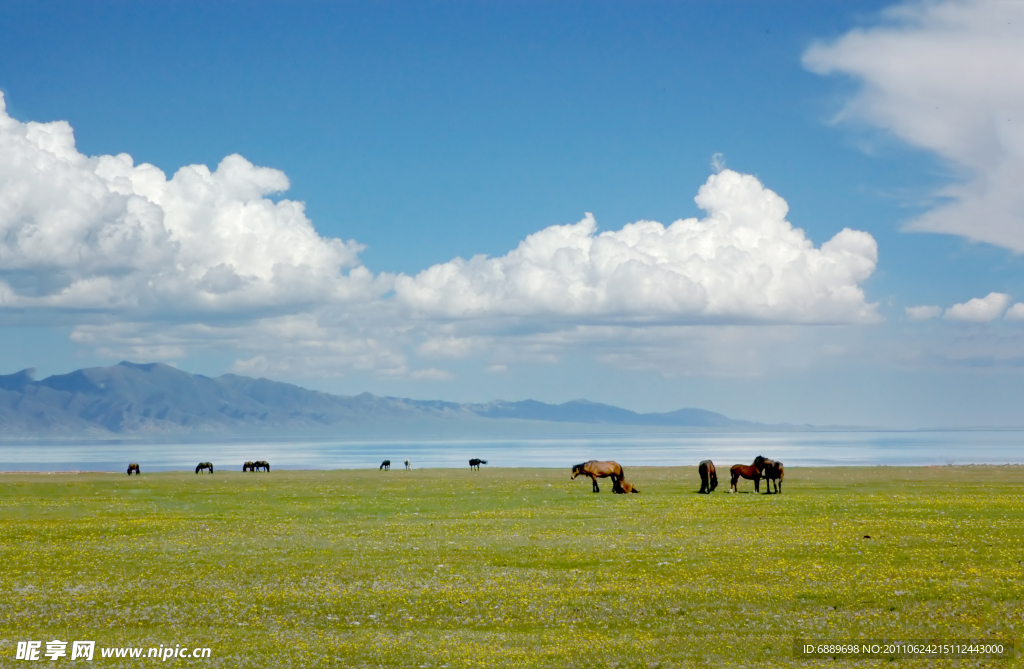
202,466
745,471
385,465
476,462
708,476
623,487
261,464
134,467
771,470
596,469
247,466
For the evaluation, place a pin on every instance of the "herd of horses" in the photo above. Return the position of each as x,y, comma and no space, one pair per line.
474,463
762,468
771,471
133,468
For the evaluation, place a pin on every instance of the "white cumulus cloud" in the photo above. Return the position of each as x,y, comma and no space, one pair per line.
743,262
101,233
979,309
1015,313
923,313
148,267
946,76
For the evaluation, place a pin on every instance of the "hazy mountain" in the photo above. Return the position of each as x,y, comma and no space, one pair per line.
134,399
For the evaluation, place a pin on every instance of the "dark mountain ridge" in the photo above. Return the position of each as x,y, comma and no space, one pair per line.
138,399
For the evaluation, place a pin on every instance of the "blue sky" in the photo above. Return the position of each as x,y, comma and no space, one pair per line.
419,133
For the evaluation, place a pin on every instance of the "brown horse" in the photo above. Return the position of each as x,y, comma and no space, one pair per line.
771,470
247,466
202,466
596,469
623,487
134,467
385,465
476,462
708,476
746,471
261,464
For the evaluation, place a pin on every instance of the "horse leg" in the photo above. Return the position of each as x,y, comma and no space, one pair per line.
593,479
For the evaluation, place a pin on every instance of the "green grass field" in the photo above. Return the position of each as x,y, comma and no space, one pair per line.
507,567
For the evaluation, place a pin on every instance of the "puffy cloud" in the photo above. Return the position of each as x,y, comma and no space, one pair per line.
979,309
1015,313
744,262
923,313
148,267
101,233
946,77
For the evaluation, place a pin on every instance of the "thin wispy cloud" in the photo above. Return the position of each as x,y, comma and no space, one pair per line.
946,77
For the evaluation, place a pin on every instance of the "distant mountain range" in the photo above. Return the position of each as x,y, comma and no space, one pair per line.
151,399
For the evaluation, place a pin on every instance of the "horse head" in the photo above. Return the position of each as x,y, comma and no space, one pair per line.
577,470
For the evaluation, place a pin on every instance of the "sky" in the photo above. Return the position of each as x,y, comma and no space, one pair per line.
784,211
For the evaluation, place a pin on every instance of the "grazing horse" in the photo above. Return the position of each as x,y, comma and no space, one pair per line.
134,467
596,469
476,462
203,466
622,487
247,466
408,465
771,470
746,471
708,476
385,465
261,464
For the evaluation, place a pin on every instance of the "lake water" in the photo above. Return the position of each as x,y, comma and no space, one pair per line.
796,449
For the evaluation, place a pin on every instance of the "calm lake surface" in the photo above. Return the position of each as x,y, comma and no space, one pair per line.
794,448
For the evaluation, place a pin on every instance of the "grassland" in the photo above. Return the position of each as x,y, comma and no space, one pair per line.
509,568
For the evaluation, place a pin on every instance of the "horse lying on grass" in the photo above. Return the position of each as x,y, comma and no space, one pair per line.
623,487
596,469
